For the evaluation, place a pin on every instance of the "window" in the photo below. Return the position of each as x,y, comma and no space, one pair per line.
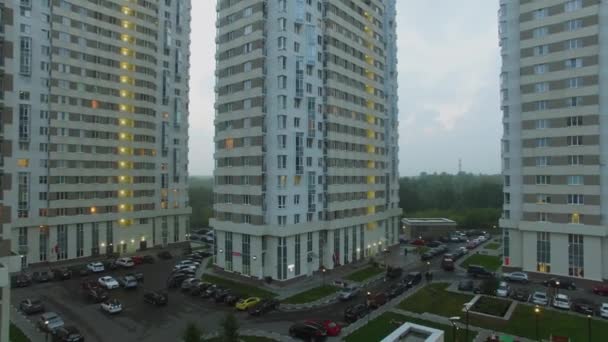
282,121
572,44
309,247
574,121
79,240
576,255
574,140
542,124
282,82
541,105
574,63
507,181
540,13
573,5
296,199
247,12
296,218
282,182
228,251
576,180
542,161
282,258
576,199
61,247
572,25
540,69
248,29
282,141
575,218
540,32
283,5
541,87
543,199
246,255
282,201
543,252
282,101
282,162
25,52
541,50
574,83
543,180
542,142
282,220
296,122
575,160
574,101
282,24
283,62
543,217
282,43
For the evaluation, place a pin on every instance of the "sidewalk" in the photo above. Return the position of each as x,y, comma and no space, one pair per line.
28,328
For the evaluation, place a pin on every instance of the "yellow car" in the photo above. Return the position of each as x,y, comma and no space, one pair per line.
247,303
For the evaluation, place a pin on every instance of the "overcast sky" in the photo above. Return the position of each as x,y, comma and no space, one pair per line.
448,86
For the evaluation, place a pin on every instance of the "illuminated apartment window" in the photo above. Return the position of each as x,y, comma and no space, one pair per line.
23,162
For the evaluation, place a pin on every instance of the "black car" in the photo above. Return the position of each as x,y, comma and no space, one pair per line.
210,291
41,277
468,285
583,306
220,295
566,284
396,290
97,294
22,280
521,295
266,305
176,280
394,272
353,313
199,289
412,279
31,306
308,332
67,334
165,255
233,298
61,273
157,298
477,271
148,259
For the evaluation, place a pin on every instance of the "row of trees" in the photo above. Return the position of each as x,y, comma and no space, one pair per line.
474,201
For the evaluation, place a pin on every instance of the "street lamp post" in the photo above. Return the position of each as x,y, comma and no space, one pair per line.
369,313
589,328
556,287
467,306
453,320
536,314
323,270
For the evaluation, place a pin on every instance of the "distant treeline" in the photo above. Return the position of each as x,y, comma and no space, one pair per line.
474,201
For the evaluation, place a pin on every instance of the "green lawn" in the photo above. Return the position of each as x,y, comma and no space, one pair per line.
311,295
435,299
238,287
490,262
383,325
365,273
492,245
16,335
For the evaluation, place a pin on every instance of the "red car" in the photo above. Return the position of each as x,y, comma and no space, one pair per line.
418,242
137,259
601,290
332,328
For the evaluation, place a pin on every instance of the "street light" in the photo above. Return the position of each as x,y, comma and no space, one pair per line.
467,307
369,313
323,270
536,315
453,320
556,287
589,328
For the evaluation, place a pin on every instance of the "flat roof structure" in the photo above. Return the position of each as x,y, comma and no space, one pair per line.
410,332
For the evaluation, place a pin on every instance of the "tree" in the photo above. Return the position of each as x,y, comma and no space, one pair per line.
231,328
192,333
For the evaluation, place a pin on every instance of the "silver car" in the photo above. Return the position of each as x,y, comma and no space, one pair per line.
540,298
349,292
516,276
50,321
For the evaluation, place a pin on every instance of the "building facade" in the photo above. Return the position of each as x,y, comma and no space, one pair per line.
306,137
555,139
94,126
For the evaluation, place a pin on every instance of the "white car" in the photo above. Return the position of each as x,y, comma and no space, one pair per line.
108,282
521,277
188,262
95,267
184,267
604,310
112,306
503,290
561,301
540,298
125,262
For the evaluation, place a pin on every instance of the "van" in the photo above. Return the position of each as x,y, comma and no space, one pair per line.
477,271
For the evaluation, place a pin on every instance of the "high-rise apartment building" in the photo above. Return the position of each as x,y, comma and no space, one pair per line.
94,126
555,139
306,135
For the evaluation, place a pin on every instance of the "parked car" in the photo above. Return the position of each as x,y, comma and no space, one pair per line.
31,306
561,301
601,290
175,280
349,292
376,300
111,306
200,288
137,259
245,304
165,255
22,280
266,305
210,291
137,275
148,259
396,290
125,262
520,277
110,265
67,334
393,272
49,322
355,312
566,284
604,310
61,273
307,332
41,277
477,271
157,298
331,328
190,283
584,306
418,242
412,279
108,282
468,285
128,282
94,292
521,295
233,298
191,268
433,244
540,298
219,296
96,267
503,290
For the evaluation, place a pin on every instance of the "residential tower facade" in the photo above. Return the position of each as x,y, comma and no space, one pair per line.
555,137
306,119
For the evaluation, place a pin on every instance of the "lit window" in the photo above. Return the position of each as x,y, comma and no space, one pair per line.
23,162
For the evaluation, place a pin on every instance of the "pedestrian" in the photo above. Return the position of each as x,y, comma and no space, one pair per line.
405,251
